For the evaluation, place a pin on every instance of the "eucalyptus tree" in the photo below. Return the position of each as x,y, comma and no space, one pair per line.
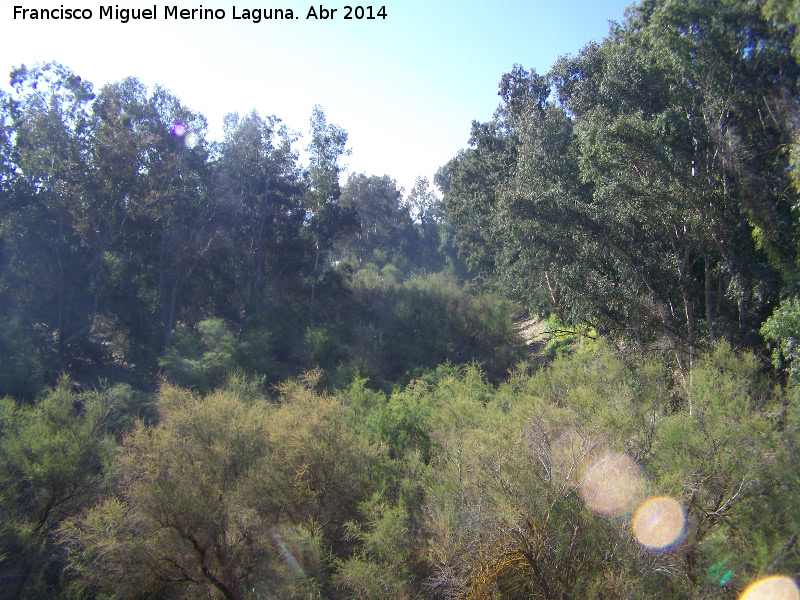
670,116
514,196
121,188
181,206
20,362
49,262
7,175
157,185
428,211
106,211
647,194
383,222
325,218
259,183
783,327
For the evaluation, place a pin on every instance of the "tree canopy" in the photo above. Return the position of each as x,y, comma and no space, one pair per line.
643,185
569,369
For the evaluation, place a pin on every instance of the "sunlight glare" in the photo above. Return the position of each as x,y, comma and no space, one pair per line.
179,129
776,587
613,485
286,554
659,523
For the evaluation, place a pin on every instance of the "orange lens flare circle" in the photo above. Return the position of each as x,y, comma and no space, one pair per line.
777,587
659,523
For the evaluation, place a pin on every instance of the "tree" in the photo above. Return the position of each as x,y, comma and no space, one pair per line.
691,151
783,330
384,224
258,180
514,198
50,277
181,207
120,207
423,203
326,219
647,197
229,496
428,211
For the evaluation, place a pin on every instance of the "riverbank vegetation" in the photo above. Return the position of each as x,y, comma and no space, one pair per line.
228,374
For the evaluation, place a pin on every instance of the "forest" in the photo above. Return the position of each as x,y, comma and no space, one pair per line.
230,369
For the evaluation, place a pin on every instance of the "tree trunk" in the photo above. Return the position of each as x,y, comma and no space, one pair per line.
709,299
314,286
740,296
554,296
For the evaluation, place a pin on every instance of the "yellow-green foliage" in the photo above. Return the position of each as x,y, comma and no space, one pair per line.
381,569
503,507
226,496
202,358
454,488
54,458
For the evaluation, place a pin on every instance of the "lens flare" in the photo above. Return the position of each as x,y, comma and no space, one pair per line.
777,587
613,485
719,572
191,140
179,129
286,554
726,577
659,523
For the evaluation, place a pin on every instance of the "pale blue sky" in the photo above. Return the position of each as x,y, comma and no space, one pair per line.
406,88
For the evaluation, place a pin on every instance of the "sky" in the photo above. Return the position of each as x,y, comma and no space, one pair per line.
406,87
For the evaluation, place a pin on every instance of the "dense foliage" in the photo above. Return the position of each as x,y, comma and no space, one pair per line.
227,374
123,230
449,487
643,186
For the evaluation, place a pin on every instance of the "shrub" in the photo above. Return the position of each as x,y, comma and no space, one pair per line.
783,329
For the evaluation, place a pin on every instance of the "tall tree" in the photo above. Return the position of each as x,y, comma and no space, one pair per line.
121,157
326,220
155,190
678,132
428,211
258,178
50,276
649,194
383,222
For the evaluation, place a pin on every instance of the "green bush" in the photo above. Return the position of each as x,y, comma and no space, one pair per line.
427,321
783,329
323,350
56,458
201,358
499,471
21,373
